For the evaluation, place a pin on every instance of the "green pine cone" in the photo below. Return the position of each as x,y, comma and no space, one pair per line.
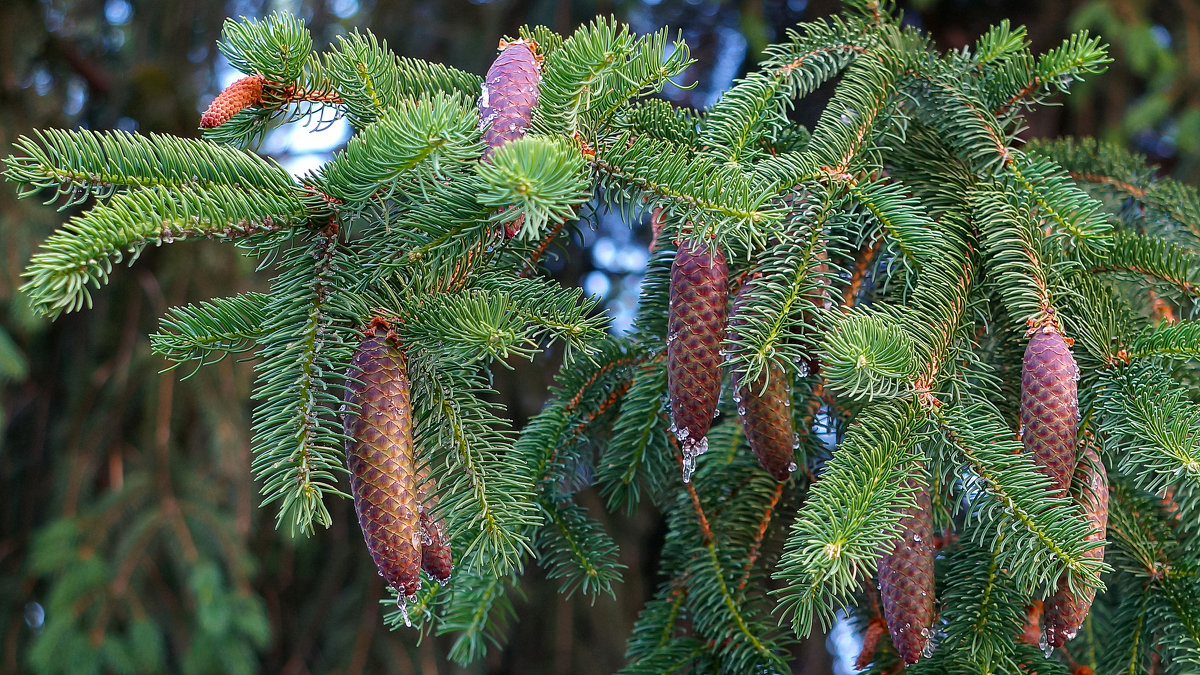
1050,405
695,328
764,407
906,580
1064,610
383,477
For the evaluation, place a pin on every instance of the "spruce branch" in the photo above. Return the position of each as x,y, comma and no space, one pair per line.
79,163
208,331
1039,536
1154,424
754,107
851,513
486,499
639,442
867,355
83,252
305,354
544,178
577,551
1168,263
1126,174
719,200
405,151
371,79
790,282
275,47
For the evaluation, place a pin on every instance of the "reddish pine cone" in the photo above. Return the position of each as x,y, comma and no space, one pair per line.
764,406
238,96
435,554
1050,405
1065,611
906,580
383,476
510,91
695,327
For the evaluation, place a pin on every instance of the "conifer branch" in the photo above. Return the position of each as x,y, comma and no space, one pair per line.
84,251
77,163
211,329
297,435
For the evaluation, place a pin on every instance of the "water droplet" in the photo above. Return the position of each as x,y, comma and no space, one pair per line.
804,369
35,615
400,602
1044,643
792,467
795,443
927,650
742,410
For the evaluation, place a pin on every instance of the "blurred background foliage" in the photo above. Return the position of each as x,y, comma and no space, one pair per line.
130,539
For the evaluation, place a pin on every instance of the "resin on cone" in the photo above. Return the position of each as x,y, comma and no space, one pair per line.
764,406
695,329
1050,405
906,579
235,98
510,91
383,476
1064,610
436,557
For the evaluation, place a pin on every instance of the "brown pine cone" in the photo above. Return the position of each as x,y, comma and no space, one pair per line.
1065,611
764,407
695,327
435,554
235,98
906,580
1050,405
383,476
510,91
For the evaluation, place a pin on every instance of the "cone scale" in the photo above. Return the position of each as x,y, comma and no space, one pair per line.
906,579
764,407
695,328
383,475
1064,610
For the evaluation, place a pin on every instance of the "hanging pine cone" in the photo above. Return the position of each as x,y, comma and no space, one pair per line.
1050,405
764,406
510,91
906,579
235,98
383,476
435,553
695,326
1065,611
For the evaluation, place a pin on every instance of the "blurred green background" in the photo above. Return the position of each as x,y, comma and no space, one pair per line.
130,538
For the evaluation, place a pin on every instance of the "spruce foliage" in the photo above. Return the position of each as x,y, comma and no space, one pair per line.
900,250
